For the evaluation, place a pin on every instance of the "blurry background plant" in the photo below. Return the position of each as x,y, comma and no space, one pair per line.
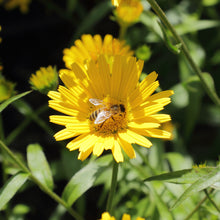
38,38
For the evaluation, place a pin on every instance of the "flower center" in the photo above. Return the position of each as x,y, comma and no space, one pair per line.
109,118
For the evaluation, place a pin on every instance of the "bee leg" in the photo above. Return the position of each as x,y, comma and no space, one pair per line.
102,124
113,118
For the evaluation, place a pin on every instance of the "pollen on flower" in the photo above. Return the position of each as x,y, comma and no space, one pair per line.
107,108
108,118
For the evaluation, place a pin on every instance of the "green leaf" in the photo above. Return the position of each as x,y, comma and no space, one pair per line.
82,181
11,187
180,99
210,2
12,99
210,114
38,165
202,183
178,161
193,25
210,82
161,205
94,16
71,5
186,176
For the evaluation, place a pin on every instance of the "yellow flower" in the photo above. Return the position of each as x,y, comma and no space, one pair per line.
168,126
90,48
108,109
44,80
106,216
6,89
21,4
128,11
116,2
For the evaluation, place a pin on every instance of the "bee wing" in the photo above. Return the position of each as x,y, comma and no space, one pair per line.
102,116
96,101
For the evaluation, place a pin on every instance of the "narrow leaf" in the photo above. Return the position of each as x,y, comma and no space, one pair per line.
11,187
12,99
81,182
187,176
161,205
202,183
38,165
94,16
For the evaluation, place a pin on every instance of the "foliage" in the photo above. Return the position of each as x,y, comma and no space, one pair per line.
162,182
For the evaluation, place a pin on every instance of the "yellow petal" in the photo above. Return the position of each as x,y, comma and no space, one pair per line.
116,151
108,142
126,217
127,147
98,148
84,154
64,134
133,137
75,144
143,125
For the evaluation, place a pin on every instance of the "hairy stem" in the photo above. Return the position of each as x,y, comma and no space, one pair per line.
185,51
113,186
44,188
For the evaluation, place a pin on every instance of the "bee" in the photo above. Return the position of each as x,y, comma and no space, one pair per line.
101,114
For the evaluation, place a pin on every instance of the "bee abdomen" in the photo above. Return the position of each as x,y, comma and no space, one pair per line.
94,115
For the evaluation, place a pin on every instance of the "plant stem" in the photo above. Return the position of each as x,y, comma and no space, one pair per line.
122,31
198,205
113,186
31,115
185,51
37,182
54,196
14,158
210,199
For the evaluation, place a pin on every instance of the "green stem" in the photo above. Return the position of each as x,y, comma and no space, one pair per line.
37,182
185,51
122,31
210,199
54,196
198,205
113,186
3,167
14,158
58,10
29,117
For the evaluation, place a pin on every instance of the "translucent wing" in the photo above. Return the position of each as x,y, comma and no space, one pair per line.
96,101
102,116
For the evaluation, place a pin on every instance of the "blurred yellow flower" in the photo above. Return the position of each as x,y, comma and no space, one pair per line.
6,89
23,5
90,48
44,80
128,12
106,216
168,126
116,2
106,108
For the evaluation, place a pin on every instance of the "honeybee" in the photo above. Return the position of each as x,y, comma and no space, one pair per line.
101,114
